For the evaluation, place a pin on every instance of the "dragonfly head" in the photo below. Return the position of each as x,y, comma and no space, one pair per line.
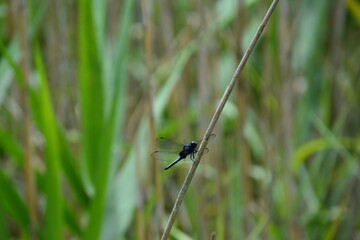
193,144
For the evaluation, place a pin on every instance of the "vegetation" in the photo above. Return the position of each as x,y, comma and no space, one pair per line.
87,86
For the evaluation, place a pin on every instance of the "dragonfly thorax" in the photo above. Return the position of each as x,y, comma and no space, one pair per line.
168,146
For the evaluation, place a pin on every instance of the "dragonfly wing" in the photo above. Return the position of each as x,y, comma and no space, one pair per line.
168,144
169,150
206,151
165,156
212,136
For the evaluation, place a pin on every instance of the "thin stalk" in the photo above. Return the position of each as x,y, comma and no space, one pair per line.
28,168
214,120
140,225
154,175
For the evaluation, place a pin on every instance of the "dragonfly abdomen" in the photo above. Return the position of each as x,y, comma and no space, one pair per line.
174,162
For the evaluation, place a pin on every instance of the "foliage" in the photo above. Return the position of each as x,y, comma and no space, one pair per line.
104,79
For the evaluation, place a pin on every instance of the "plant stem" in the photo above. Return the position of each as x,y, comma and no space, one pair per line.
214,120
30,189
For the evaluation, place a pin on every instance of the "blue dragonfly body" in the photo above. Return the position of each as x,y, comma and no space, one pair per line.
188,149
170,147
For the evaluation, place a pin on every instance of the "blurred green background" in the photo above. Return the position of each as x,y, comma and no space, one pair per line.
87,86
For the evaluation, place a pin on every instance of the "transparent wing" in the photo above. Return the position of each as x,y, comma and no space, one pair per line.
165,156
206,151
169,145
212,136
169,149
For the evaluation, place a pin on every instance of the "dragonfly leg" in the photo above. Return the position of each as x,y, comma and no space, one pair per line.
192,156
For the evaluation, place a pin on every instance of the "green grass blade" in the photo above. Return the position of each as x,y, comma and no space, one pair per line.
71,171
12,203
180,61
72,221
10,146
311,147
110,111
90,96
53,228
4,232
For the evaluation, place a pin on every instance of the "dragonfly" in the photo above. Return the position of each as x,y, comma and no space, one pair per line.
169,147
